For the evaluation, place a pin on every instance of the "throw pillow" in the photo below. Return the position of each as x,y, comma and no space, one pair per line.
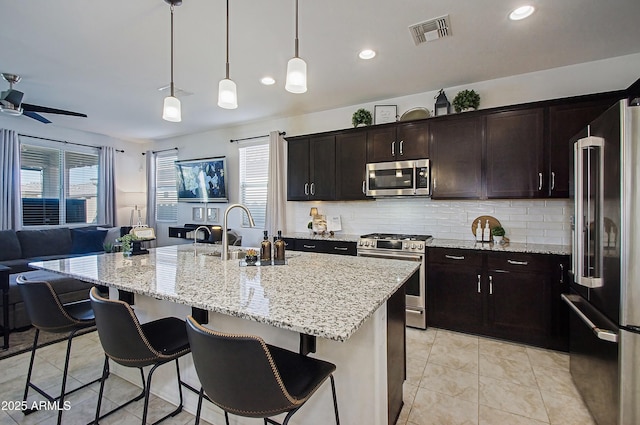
86,241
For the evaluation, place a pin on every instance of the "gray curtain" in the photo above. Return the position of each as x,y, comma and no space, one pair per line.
151,191
277,187
10,216
107,188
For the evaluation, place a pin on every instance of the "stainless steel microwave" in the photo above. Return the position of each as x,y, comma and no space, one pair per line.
399,178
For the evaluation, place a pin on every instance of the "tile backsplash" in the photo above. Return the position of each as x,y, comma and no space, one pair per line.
525,221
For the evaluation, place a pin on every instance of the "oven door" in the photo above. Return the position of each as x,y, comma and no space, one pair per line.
415,287
391,179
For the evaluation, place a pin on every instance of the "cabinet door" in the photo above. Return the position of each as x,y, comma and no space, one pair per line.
517,305
514,166
322,164
351,161
454,297
381,144
559,320
456,158
565,121
412,141
298,170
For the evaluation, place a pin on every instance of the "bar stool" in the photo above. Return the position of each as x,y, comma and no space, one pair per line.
243,375
48,314
129,343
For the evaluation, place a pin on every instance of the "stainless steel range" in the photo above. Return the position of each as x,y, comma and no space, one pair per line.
407,248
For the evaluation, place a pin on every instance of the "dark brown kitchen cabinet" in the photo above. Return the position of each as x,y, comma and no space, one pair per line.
351,161
513,296
456,158
514,154
565,121
322,246
398,142
311,168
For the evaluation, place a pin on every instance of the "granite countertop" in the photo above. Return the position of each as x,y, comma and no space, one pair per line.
509,247
336,237
323,295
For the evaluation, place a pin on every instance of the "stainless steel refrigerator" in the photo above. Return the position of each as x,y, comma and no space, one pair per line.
605,291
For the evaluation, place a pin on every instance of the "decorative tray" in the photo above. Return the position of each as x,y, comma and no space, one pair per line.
243,263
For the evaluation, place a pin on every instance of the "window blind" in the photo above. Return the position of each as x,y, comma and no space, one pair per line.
254,174
166,193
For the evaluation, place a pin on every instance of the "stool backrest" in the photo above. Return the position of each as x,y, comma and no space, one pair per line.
237,372
44,307
120,334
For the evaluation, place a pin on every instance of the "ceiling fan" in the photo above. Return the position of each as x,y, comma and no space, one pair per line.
11,103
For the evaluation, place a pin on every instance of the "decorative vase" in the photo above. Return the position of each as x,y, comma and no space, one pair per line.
497,240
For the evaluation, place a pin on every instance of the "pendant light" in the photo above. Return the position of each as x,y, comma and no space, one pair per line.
172,110
296,68
227,93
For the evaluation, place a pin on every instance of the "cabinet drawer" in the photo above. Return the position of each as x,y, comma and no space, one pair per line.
341,248
455,256
518,262
310,245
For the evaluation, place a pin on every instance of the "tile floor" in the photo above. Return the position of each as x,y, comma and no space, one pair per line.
451,379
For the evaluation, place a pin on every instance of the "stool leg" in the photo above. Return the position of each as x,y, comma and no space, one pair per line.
226,417
199,409
335,400
179,387
33,356
64,377
105,372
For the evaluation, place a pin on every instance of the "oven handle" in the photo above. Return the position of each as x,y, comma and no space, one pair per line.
415,310
399,256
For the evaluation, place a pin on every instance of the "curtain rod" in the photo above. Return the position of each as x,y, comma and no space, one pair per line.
162,150
65,142
282,133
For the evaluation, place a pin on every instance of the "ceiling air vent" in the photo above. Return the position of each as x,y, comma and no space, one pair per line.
431,30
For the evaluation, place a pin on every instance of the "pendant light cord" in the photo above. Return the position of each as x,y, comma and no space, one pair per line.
172,94
296,48
227,39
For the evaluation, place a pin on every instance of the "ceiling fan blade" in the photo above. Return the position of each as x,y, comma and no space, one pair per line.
45,110
36,116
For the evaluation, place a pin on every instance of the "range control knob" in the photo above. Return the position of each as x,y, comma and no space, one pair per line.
419,246
413,246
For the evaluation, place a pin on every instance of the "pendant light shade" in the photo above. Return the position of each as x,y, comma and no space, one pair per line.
296,68
227,91
172,110
227,94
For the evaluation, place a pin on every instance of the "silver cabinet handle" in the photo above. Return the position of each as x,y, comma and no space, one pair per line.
518,263
309,246
363,187
339,248
313,188
306,189
393,148
490,285
561,273
603,334
401,144
479,290
539,181
553,180
454,257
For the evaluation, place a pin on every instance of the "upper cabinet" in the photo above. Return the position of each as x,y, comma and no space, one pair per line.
514,164
351,160
456,157
398,142
311,168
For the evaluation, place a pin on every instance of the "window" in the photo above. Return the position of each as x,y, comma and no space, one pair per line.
58,186
254,174
166,194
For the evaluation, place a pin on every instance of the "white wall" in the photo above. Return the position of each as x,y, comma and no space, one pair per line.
525,221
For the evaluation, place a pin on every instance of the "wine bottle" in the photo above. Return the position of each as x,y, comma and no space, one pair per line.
265,248
278,247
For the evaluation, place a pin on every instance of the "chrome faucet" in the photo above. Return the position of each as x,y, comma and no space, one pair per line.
225,240
195,235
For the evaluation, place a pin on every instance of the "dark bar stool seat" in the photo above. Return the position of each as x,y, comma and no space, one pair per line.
131,344
243,375
48,314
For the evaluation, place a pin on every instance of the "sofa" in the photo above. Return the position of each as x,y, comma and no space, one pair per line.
19,248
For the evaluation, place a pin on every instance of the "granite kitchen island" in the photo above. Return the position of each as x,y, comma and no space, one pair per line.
349,311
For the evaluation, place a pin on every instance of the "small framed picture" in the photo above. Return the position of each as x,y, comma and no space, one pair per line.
385,113
198,214
212,215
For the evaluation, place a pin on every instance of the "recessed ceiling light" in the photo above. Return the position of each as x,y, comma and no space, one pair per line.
367,54
267,81
521,13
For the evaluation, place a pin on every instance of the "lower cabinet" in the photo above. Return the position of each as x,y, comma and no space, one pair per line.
512,296
322,246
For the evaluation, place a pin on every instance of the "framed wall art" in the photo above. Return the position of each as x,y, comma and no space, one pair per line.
385,113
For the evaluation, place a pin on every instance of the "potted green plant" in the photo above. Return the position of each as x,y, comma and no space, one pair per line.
466,99
498,234
361,116
127,243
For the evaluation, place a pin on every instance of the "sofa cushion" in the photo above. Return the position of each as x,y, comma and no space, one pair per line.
84,241
18,265
9,245
39,243
113,233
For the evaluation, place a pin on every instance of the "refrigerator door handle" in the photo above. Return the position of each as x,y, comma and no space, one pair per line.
603,334
581,147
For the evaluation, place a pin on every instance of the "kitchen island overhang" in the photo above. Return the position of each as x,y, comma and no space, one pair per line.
338,299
